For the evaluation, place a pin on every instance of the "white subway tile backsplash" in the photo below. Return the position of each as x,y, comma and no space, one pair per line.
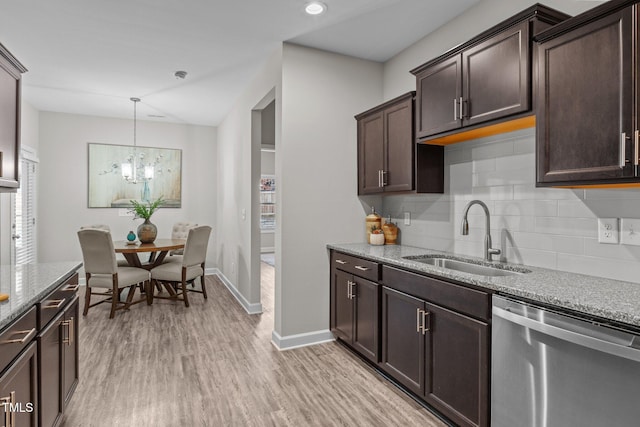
546,227
584,227
574,209
601,267
500,192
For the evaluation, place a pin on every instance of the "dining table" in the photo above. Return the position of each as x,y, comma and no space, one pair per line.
157,251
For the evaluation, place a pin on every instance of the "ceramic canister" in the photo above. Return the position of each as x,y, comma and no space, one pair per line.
373,222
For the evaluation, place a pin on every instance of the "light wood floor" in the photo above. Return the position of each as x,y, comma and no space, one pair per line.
214,365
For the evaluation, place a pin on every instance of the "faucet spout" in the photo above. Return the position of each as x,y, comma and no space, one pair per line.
488,250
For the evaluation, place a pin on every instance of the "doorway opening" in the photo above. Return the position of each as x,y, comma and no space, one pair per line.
268,206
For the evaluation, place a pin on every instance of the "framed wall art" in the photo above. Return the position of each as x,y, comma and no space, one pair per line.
121,173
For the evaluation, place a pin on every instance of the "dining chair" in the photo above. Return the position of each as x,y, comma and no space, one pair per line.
121,262
102,271
180,230
175,276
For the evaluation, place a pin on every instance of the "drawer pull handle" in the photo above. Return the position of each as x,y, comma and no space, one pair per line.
55,303
339,261
28,335
71,287
361,268
419,318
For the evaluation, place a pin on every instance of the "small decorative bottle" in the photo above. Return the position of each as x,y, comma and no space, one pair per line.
131,237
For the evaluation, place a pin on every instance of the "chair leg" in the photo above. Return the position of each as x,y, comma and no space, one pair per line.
185,292
87,300
150,284
115,298
204,288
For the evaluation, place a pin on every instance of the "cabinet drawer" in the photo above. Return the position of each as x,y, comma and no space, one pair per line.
357,266
53,303
16,337
465,300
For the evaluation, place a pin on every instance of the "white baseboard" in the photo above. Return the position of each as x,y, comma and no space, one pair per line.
249,308
290,342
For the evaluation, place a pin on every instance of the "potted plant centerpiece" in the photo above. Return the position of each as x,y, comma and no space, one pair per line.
147,231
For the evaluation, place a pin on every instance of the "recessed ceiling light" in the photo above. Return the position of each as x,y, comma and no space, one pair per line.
315,8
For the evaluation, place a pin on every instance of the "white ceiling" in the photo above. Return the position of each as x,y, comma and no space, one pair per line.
91,56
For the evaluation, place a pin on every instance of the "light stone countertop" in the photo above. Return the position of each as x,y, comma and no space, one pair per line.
596,296
28,284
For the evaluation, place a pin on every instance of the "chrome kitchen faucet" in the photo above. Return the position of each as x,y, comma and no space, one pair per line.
488,250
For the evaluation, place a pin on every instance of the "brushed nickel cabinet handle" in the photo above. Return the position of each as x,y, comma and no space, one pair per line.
55,303
418,319
28,335
623,144
9,415
426,316
361,268
339,261
455,109
461,111
69,325
636,143
384,178
71,287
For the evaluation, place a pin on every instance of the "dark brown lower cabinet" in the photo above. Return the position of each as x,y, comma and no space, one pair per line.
402,345
457,366
58,362
355,317
18,390
439,354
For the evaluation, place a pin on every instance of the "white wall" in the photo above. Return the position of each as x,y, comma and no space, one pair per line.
238,248
62,180
317,171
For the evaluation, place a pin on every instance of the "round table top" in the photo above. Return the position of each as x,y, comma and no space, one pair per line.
123,246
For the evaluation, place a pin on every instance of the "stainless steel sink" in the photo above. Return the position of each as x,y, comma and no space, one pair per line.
467,267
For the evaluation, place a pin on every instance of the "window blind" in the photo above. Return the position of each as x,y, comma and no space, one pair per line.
25,216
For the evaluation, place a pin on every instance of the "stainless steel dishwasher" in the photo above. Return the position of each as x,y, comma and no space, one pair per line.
550,369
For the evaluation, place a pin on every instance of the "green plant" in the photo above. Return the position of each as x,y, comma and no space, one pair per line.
141,210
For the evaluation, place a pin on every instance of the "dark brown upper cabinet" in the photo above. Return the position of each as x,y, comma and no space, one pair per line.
387,158
386,147
587,113
10,78
481,82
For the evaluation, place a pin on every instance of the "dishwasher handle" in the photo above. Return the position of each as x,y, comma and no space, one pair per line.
599,344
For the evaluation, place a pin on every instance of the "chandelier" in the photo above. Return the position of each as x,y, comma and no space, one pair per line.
134,170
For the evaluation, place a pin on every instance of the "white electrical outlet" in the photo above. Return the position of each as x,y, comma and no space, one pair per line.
608,230
407,218
630,231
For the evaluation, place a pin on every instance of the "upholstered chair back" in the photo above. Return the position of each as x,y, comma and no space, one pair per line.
195,250
97,227
97,251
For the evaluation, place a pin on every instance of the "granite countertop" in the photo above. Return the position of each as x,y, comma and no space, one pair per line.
596,296
27,284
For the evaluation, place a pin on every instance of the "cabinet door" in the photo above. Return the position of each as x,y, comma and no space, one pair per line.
585,103
399,147
438,95
343,304
50,406
496,76
402,342
19,390
70,372
9,124
457,366
365,333
370,153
